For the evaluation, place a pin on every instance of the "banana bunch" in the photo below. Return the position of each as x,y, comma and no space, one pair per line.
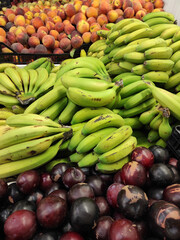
29,141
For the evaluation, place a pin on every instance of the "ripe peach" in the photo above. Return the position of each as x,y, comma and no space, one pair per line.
94,27
142,2
77,5
30,29
82,26
68,28
43,16
44,28
19,20
94,37
33,41
11,37
17,47
75,33
22,38
104,7
83,9
140,14
129,12
159,4
11,17
70,10
59,26
13,29
48,41
136,6
19,30
37,22
126,4
9,25
57,19
66,21
41,34
86,37
19,11
40,49
149,6
28,15
62,35
61,13
3,39
31,50
102,19
56,44
8,11
52,13
91,12
58,51
158,10
119,19
54,33
95,3
50,25
76,41
79,16
2,32
36,14
6,50
112,15
119,12
117,3
91,20
65,44
26,9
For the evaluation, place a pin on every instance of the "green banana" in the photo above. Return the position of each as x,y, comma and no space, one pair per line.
123,23
85,114
76,127
153,136
7,83
161,143
114,51
126,80
148,104
176,36
126,65
165,129
147,116
102,33
82,73
96,45
25,78
109,48
49,166
138,41
151,15
133,122
3,66
120,40
177,89
176,56
156,76
33,75
15,77
168,42
134,57
119,152
141,33
41,78
175,46
88,160
109,25
176,68
5,114
158,53
8,101
115,69
113,35
158,20
76,157
4,129
113,139
133,27
102,121
155,122
55,69
169,33
127,49
66,115
113,167
151,43
75,140
158,29
17,109
139,70
159,64
5,91
35,64
173,81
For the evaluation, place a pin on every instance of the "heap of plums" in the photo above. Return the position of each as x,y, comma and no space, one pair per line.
139,202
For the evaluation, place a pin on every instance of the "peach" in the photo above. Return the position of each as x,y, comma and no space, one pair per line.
52,13
82,26
28,15
9,25
158,10
117,3
33,41
68,28
2,32
11,37
22,38
43,16
62,35
31,50
2,21
56,44
79,16
75,33
91,12
136,6
94,37
6,50
13,29
30,29
54,33
86,37
19,11
50,25
129,12
140,14
19,20
3,39
70,10
37,22
104,7
126,4
19,30
119,12
102,19
94,27
57,19
142,2
48,41
65,44
61,13
76,41
83,9
25,50
59,26
17,47
11,17
91,20
40,49
66,21
159,4
149,6
8,11
26,9
95,3
77,6
44,28
41,34
58,51
112,15
36,14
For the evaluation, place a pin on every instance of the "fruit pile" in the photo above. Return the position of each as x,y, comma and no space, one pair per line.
53,27
139,202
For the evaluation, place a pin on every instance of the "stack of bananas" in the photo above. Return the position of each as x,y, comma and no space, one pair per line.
29,141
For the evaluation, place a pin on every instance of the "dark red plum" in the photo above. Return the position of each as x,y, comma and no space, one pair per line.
144,156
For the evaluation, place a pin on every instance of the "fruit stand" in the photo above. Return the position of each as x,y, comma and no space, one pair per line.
90,135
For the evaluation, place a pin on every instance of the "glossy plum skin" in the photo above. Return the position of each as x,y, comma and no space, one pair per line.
144,156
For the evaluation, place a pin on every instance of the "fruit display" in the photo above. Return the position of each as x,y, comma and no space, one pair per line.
59,26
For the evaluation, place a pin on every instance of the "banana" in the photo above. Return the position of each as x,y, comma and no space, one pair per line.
41,78
165,129
133,27
134,57
176,56
156,76
87,98
176,68
82,73
76,157
102,33
114,51
133,88
4,90
46,100
161,143
8,101
158,20
123,23
153,136
114,35
7,83
133,122
115,69
127,49
155,122
176,36
15,77
64,146
120,40
24,74
55,69
55,109
113,139
85,114
75,140
35,64
4,129
169,33
151,15
14,168
49,166
159,64
168,42
33,75
147,116
66,115
158,29
138,98
109,25
126,65
177,89
158,53
126,113
102,121
89,160
175,46
43,65
17,109
109,48
96,45
151,43
141,33
76,127
111,168
5,114
167,99
139,70
3,66
128,79
105,60
173,81
91,140
119,152
90,84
